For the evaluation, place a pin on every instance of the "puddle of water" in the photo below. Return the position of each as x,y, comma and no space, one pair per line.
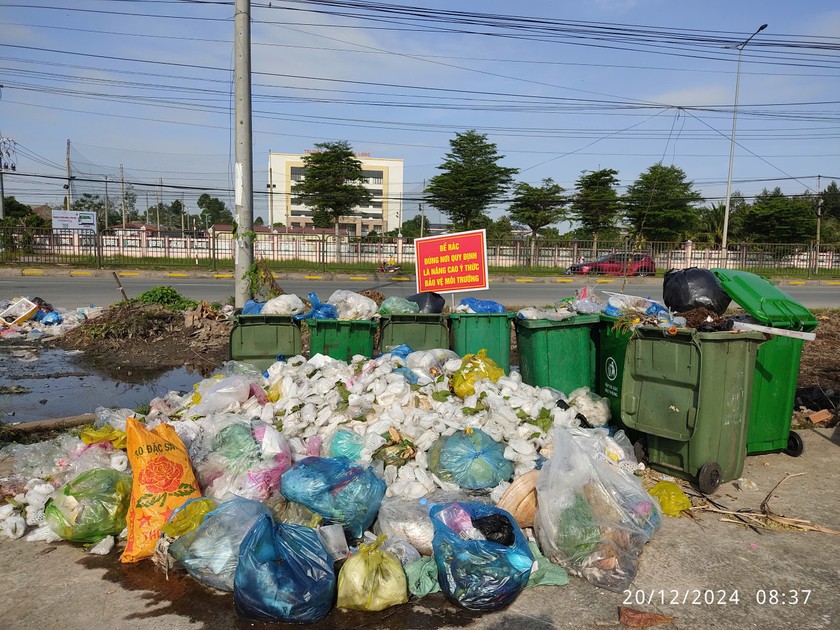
60,385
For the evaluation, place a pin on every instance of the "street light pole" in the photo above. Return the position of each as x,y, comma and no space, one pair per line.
740,48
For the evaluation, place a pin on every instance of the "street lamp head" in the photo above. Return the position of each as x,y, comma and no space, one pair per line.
762,27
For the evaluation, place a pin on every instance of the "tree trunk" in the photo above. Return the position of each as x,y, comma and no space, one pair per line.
533,248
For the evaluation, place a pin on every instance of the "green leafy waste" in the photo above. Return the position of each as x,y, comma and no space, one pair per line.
166,297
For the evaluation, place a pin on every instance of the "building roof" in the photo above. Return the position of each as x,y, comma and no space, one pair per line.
281,229
136,225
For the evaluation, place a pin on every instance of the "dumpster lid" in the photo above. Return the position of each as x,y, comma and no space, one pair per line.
764,301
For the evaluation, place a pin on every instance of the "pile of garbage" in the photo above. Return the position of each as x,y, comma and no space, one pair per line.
361,483
34,319
345,305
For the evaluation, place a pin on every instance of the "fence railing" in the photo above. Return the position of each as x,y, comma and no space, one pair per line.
322,252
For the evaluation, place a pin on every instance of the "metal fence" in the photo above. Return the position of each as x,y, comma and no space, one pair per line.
324,252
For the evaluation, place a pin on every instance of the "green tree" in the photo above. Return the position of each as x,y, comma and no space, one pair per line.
776,218
332,184
538,207
213,210
20,215
499,230
710,221
659,205
471,180
411,228
596,204
831,200
550,236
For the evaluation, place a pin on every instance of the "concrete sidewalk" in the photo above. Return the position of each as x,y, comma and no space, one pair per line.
717,574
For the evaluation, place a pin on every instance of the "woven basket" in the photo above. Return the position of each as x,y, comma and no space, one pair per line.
520,499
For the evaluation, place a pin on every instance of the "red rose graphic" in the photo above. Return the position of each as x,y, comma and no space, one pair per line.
161,475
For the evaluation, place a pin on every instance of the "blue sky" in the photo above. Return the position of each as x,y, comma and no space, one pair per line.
616,84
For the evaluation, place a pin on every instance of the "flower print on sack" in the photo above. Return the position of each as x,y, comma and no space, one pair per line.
162,477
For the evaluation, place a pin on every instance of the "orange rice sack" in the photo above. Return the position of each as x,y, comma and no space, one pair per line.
163,480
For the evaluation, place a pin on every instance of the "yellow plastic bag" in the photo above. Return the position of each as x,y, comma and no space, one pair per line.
474,367
671,497
163,480
106,433
189,517
373,579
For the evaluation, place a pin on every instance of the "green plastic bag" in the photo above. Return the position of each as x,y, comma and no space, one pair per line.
92,506
422,577
188,517
373,579
671,498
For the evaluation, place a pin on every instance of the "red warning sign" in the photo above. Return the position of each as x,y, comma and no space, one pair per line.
454,262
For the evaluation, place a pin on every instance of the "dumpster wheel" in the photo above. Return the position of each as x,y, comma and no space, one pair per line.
795,445
709,477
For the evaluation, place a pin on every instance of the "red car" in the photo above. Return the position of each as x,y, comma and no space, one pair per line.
616,265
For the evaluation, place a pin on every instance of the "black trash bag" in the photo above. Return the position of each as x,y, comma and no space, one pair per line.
496,528
428,302
687,289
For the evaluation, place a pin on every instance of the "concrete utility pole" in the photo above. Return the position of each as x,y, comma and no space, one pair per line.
69,189
122,193
244,169
106,203
725,239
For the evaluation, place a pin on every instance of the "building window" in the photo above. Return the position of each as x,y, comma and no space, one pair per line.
373,177
298,173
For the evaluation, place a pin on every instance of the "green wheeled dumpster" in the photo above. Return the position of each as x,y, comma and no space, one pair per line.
777,363
419,331
558,354
261,339
689,394
470,332
610,351
342,339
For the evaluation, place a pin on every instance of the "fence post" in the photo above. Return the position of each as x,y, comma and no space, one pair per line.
212,236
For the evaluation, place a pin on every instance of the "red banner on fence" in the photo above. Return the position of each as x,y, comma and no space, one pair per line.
455,262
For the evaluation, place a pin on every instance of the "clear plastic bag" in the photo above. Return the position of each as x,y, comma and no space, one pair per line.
210,552
92,506
336,489
351,305
471,459
398,306
593,515
284,574
479,574
220,395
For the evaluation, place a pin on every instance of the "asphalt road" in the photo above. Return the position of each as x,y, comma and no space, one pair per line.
73,292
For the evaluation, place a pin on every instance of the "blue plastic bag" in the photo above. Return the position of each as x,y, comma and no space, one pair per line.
479,574
336,489
210,552
284,574
471,459
252,308
318,310
51,319
483,306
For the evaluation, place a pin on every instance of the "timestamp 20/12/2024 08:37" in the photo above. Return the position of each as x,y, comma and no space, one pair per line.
717,597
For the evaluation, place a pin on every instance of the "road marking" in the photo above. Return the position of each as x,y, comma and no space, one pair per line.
81,273
223,275
357,278
177,275
400,279
32,272
834,284
563,280
795,282
313,277
128,274
603,281
524,279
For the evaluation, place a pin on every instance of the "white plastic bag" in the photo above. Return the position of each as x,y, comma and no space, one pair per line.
352,305
283,305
